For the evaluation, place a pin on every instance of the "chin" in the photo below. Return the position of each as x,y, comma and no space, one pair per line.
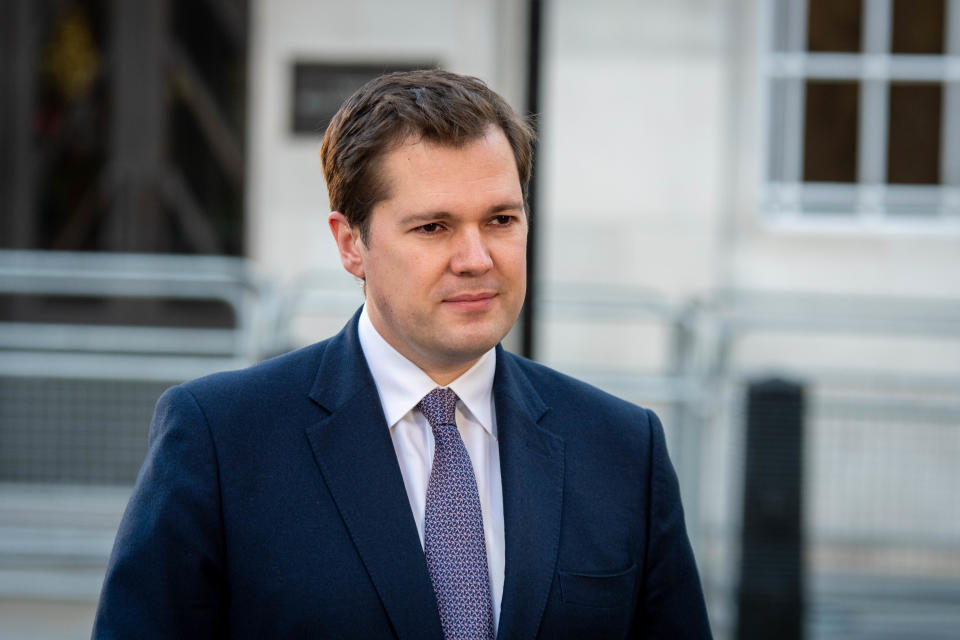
464,349
487,335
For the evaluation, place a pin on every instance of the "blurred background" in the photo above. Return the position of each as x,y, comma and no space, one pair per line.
746,215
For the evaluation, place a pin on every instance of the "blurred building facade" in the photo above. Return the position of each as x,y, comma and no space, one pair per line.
726,190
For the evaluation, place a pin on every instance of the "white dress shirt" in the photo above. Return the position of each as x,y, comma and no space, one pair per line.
401,385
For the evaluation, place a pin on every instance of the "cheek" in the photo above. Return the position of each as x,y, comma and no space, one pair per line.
513,258
392,265
426,265
411,274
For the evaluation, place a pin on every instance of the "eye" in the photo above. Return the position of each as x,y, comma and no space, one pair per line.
430,228
502,220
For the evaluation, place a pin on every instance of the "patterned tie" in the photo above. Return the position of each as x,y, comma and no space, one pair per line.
453,528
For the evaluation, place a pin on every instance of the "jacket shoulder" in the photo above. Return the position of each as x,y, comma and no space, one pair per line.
561,390
588,417
295,369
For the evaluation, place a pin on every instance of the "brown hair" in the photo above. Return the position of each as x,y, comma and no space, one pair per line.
437,105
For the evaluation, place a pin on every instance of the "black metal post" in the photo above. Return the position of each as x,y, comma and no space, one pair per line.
138,125
18,50
771,596
535,23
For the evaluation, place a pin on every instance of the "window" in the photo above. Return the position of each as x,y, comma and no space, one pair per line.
863,102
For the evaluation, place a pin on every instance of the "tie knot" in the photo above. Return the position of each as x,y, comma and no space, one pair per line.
439,407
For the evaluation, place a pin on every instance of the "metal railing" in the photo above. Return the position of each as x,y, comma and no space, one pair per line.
76,398
114,350
910,415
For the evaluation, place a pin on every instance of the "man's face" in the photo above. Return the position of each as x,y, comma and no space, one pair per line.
445,261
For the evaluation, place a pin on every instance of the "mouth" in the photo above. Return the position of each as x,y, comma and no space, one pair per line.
477,301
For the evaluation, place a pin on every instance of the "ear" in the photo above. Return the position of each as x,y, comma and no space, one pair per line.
349,244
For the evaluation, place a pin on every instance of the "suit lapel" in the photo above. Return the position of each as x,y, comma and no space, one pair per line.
531,468
353,449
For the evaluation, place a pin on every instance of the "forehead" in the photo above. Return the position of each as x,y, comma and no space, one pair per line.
479,169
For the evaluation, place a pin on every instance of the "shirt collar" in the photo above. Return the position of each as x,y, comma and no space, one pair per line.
402,384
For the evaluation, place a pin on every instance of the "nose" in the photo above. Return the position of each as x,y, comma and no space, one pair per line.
471,256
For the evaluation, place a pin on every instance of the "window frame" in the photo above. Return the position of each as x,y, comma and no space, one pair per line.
871,203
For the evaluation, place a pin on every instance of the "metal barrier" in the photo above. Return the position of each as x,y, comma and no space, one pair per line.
882,442
113,351
883,432
76,400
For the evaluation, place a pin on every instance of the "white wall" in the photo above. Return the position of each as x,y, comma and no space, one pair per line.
631,127
630,164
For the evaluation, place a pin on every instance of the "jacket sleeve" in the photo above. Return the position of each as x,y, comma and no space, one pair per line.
165,574
672,604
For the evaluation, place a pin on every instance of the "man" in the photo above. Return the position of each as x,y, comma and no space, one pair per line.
408,477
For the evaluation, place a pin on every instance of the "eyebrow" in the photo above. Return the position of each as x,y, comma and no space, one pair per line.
430,216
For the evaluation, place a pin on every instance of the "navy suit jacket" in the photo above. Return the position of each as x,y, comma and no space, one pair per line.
271,505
